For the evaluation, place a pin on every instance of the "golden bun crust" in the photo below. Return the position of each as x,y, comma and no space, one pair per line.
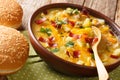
10,13
14,50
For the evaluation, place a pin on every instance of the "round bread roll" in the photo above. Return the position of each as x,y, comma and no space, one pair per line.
14,50
10,13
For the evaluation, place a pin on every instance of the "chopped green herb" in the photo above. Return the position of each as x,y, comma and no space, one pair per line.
42,30
55,50
46,30
78,24
69,44
75,11
60,22
72,11
69,10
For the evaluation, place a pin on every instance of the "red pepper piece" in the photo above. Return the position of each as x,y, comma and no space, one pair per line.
40,21
76,54
77,36
89,40
94,40
72,23
74,35
113,56
51,44
42,39
51,39
54,23
59,26
71,34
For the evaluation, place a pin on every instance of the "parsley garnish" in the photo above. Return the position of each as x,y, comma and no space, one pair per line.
42,30
75,11
69,44
72,11
55,50
46,30
60,22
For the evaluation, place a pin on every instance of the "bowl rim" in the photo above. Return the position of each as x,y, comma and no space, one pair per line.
110,21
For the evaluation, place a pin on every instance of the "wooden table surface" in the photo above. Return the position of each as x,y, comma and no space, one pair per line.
110,8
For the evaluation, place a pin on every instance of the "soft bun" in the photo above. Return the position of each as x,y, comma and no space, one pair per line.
14,50
10,13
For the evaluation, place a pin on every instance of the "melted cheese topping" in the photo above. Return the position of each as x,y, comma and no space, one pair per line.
68,34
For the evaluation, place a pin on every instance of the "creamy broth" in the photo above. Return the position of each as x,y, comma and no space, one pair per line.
67,33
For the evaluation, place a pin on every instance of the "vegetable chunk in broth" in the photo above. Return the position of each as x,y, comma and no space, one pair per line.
68,34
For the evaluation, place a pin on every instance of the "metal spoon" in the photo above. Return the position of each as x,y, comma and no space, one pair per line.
102,72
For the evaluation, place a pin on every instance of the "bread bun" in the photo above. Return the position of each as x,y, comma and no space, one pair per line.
10,13
14,50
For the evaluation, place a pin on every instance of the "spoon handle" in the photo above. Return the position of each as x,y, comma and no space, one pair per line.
103,75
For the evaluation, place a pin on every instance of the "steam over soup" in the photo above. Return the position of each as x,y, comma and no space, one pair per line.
67,33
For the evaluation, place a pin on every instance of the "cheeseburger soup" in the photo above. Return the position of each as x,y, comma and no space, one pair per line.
67,33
